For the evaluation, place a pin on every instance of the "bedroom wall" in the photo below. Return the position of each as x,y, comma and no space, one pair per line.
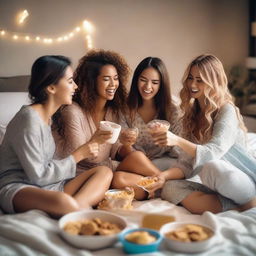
174,30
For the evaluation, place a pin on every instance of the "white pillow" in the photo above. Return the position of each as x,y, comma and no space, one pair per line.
2,132
10,104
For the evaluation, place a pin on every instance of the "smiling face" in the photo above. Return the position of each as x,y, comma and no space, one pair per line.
107,82
65,88
149,83
195,84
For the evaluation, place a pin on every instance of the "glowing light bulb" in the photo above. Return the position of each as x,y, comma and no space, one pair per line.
3,33
77,29
87,26
15,37
22,16
27,38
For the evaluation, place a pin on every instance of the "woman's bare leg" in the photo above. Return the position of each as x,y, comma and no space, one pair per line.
136,162
89,187
55,203
127,179
198,202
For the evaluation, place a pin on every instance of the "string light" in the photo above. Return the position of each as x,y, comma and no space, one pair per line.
85,27
22,16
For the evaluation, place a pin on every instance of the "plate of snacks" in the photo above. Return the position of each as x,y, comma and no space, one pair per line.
145,182
91,229
140,240
188,237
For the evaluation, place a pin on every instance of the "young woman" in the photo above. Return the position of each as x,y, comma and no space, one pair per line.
214,141
30,178
101,77
150,98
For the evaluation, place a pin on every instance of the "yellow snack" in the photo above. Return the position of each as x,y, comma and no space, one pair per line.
140,237
91,227
147,181
117,199
190,233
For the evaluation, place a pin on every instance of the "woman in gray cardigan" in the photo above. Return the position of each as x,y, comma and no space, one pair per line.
30,178
213,145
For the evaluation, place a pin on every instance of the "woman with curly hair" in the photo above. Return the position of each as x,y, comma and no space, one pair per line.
101,77
214,140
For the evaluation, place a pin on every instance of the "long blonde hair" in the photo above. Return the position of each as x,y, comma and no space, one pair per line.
197,122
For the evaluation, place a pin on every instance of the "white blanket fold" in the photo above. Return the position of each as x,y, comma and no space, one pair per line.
34,234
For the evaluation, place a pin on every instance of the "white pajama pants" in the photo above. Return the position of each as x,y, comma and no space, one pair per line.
229,181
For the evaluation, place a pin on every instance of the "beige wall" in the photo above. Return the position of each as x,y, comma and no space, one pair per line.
174,30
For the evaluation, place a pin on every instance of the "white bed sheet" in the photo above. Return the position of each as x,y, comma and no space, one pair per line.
34,233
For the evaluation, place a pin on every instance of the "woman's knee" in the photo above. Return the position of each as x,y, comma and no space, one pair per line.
136,155
104,171
62,200
118,180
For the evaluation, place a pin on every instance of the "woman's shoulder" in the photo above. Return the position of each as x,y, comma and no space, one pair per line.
26,115
73,109
227,108
26,120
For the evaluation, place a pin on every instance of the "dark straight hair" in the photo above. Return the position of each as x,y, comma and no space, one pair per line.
46,70
163,100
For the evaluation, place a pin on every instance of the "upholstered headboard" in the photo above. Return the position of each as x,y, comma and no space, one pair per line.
14,83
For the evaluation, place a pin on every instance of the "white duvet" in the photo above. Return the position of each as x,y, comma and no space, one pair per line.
34,234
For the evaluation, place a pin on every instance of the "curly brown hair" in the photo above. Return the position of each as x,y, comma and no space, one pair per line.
85,76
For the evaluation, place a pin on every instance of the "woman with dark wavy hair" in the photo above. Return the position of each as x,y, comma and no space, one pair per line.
101,77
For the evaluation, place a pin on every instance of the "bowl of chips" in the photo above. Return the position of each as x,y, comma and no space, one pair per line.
91,229
140,240
188,237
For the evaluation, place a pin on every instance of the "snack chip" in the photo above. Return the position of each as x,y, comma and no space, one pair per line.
146,181
190,233
91,227
117,199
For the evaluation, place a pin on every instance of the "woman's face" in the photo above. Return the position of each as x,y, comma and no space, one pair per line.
149,83
195,84
65,88
107,82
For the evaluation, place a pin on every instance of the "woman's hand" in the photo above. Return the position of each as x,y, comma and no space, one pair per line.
157,185
164,138
128,136
90,150
101,136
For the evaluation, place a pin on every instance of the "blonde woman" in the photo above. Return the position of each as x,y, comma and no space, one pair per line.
214,141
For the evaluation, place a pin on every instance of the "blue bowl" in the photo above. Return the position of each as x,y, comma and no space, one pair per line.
133,248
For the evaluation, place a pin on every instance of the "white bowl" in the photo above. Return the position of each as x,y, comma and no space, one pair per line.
187,247
113,127
89,241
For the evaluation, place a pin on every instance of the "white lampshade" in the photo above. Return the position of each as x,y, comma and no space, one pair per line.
253,28
250,62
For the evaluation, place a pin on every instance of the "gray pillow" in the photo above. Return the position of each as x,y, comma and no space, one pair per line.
14,83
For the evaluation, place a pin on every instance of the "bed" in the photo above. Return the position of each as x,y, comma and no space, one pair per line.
35,233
